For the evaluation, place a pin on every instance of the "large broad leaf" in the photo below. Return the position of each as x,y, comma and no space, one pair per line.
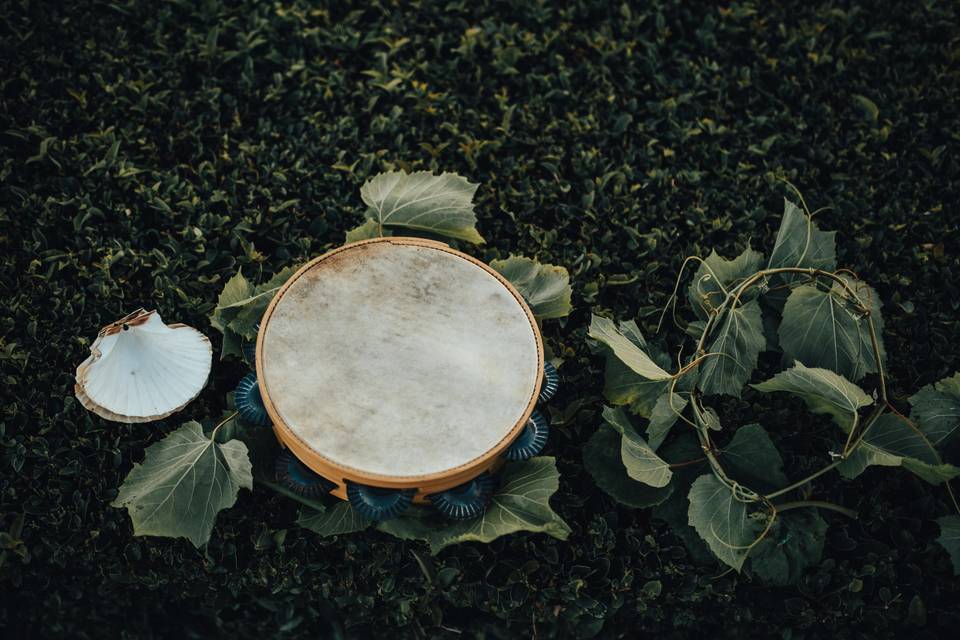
665,414
247,321
685,452
936,410
185,480
723,522
950,539
793,545
822,390
604,330
716,275
800,243
603,460
545,287
623,384
640,460
896,436
866,455
820,328
338,519
424,202
737,342
522,503
752,460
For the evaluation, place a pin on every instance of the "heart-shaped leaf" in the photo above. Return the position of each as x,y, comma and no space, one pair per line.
752,459
936,410
639,459
737,343
723,521
822,390
545,287
716,275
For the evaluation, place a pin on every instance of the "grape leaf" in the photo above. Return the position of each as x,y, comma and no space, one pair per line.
822,390
820,329
602,459
604,330
896,436
722,521
665,414
522,503
640,460
338,519
752,459
793,545
185,480
423,202
866,455
623,386
800,243
545,287
737,343
936,410
950,539
715,276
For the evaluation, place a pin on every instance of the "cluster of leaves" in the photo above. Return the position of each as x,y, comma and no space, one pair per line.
188,477
828,326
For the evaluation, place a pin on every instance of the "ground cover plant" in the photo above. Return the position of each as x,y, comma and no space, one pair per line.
152,150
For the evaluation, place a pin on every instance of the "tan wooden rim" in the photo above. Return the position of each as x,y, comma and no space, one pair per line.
426,483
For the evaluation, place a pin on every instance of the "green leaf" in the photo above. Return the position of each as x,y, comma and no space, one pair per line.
950,539
868,106
338,519
234,291
185,480
423,202
366,231
737,343
640,460
665,414
866,455
822,390
522,503
821,329
800,243
241,306
793,545
723,522
936,410
716,275
545,287
685,451
603,460
752,459
605,331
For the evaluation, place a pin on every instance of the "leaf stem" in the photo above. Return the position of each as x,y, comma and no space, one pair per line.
282,490
800,483
819,504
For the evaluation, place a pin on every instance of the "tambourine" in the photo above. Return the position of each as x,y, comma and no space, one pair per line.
399,370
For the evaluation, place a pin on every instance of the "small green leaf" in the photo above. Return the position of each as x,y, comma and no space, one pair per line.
338,519
950,539
737,343
366,231
821,329
822,390
793,545
545,287
603,460
936,410
665,414
424,202
752,459
722,521
716,275
640,460
867,105
522,503
234,291
185,480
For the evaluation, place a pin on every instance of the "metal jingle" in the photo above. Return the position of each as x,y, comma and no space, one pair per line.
249,403
531,440
551,382
299,478
467,500
376,503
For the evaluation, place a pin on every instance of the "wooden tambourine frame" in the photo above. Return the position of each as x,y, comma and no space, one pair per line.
425,484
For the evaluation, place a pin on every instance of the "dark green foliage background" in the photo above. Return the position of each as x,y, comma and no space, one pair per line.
149,149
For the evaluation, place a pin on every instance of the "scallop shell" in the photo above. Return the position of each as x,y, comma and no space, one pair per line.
141,369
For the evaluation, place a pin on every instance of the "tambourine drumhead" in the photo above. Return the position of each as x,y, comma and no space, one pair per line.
398,359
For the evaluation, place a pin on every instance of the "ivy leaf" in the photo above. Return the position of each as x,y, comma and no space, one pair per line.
716,275
722,521
793,545
665,414
820,329
800,243
822,390
603,460
640,460
185,480
338,519
423,202
545,287
522,503
366,231
950,539
936,410
751,458
736,346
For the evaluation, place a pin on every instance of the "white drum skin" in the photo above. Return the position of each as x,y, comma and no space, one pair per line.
398,362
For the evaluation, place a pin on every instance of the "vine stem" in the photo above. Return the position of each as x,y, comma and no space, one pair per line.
282,490
800,483
820,504
213,433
